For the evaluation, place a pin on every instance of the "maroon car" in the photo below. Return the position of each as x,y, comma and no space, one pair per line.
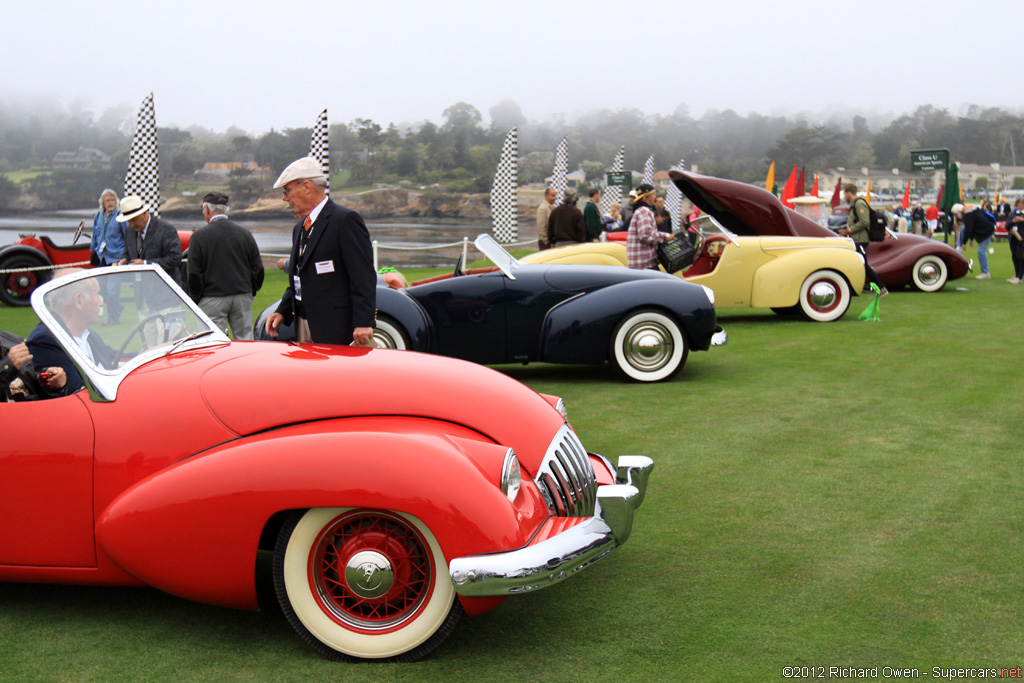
906,259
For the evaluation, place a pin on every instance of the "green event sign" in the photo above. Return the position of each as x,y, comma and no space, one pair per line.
929,159
620,179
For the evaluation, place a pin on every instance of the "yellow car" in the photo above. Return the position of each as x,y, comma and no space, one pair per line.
788,263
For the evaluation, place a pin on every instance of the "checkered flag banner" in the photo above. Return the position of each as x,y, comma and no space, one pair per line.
558,181
504,194
649,170
613,193
143,177
674,200
319,149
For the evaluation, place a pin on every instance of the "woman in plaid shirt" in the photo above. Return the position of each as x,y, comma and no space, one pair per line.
644,236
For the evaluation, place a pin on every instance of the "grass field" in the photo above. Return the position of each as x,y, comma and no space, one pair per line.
825,495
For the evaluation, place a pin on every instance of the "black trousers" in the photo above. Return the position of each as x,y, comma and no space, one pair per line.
869,274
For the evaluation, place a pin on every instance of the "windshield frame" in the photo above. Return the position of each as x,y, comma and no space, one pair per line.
103,383
497,254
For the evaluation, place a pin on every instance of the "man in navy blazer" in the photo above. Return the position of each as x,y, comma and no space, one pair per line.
332,295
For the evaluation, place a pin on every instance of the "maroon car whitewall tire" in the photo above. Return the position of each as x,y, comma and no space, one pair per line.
929,274
364,584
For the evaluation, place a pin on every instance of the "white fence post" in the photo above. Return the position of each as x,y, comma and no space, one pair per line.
376,265
465,252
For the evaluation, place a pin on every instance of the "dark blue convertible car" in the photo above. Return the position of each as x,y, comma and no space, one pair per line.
645,323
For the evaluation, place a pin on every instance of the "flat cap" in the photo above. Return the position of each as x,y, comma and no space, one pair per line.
305,168
217,198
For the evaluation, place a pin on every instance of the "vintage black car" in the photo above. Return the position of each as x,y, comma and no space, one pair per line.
644,322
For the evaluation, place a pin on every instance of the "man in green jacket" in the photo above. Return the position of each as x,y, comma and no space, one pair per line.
592,216
857,222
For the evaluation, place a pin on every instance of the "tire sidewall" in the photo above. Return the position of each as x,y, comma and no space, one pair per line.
295,578
834,313
922,262
622,365
392,331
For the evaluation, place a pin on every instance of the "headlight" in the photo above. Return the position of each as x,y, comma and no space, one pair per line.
710,293
511,475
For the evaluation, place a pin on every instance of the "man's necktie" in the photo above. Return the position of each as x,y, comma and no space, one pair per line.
304,237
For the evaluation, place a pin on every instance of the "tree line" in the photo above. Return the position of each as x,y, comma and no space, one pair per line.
460,153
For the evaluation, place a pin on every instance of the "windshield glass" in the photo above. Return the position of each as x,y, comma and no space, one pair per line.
153,318
497,254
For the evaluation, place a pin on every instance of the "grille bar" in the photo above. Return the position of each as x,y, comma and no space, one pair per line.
566,478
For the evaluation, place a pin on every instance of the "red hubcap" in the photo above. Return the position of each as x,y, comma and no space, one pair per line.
371,571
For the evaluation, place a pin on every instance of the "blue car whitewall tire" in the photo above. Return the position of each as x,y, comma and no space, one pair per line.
648,346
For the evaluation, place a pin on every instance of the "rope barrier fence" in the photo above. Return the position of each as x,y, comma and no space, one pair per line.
377,247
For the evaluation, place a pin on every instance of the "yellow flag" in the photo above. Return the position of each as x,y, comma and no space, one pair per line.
869,191
769,183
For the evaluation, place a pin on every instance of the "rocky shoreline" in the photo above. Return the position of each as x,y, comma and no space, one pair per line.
401,203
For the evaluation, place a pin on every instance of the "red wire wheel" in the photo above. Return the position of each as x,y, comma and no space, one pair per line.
364,584
371,571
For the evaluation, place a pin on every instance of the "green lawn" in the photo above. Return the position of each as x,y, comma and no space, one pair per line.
844,494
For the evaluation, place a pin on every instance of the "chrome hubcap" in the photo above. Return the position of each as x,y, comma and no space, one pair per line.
823,295
383,340
369,574
928,273
648,346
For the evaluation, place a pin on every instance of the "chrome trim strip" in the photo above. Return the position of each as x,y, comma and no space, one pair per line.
559,557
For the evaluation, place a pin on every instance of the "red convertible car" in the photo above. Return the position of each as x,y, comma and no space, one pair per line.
29,262
439,488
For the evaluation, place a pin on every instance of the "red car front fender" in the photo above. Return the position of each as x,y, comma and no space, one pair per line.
193,529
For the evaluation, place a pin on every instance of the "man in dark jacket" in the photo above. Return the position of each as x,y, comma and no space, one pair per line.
224,268
151,240
154,241
566,223
979,226
592,216
333,285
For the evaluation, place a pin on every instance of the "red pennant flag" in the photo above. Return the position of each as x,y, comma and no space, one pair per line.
906,196
835,194
814,188
789,191
801,183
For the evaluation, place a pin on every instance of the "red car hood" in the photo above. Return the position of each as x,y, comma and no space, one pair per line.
744,209
281,384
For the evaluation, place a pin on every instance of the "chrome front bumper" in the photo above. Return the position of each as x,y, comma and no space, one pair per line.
720,337
548,562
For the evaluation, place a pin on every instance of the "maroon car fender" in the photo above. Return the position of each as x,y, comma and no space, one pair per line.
894,259
193,529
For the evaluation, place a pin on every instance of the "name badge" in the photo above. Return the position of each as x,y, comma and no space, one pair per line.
324,267
297,287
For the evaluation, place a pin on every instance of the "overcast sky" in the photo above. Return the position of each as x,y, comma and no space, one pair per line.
260,65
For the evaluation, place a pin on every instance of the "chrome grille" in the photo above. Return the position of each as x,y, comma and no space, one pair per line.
566,478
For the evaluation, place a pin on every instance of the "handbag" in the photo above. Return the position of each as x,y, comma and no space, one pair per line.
675,254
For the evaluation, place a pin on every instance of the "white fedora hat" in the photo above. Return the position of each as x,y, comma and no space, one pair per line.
131,206
305,168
